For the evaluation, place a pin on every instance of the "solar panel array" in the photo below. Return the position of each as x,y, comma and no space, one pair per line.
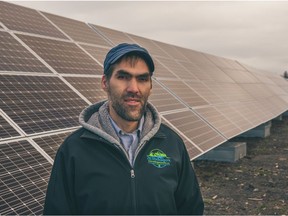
51,67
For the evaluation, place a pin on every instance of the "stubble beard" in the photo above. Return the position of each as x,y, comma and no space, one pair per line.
128,113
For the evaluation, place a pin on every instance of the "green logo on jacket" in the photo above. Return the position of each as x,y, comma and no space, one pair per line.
158,158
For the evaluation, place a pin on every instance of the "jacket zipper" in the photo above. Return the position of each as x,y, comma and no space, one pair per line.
133,186
132,176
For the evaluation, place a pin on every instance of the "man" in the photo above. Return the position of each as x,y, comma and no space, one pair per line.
123,160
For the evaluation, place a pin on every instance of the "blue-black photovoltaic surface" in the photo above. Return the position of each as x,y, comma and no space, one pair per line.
24,175
51,69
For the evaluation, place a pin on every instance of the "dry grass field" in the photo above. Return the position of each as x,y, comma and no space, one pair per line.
254,185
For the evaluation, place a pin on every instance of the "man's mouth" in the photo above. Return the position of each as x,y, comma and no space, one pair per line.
132,101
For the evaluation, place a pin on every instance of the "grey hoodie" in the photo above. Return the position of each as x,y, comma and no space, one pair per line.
95,118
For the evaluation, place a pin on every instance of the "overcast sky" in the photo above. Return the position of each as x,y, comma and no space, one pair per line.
254,33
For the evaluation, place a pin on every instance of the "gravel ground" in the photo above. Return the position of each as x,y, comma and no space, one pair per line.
254,185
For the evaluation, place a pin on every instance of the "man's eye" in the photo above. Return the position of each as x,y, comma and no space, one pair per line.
122,77
143,79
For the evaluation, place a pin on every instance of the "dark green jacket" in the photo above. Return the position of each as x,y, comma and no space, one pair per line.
92,175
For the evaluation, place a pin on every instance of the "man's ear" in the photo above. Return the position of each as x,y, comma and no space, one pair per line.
104,83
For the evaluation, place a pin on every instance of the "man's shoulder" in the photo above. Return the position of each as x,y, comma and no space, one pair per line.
74,137
169,131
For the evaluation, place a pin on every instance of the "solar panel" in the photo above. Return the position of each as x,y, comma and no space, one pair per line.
219,121
172,51
257,91
24,174
26,20
284,98
204,92
15,57
6,130
196,71
215,73
150,45
64,57
240,76
186,94
195,57
177,69
229,92
51,143
260,75
274,105
250,111
195,129
78,31
90,87
224,63
231,113
99,53
116,37
277,90
192,149
278,80
162,71
163,100
39,103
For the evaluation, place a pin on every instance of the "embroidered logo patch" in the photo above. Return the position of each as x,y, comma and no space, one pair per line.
158,158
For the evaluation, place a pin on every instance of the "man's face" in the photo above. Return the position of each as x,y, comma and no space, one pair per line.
128,90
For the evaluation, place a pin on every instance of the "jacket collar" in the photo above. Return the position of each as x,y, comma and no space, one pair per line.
95,119
89,135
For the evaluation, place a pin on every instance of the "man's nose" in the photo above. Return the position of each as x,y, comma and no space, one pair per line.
133,86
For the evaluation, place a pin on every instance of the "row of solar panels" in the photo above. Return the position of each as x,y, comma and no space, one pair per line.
51,67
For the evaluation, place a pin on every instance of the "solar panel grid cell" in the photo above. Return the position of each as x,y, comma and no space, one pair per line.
38,103
261,76
163,100
235,64
224,63
234,116
240,76
284,98
278,80
89,87
172,51
219,121
215,73
249,110
195,129
23,179
78,31
64,57
15,57
149,45
162,71
195,57
186,94
98,53
275,104
116,37
6,130
177,69
229,92
196,71
277,90
204,92
50,144
192,150
26,20
257,91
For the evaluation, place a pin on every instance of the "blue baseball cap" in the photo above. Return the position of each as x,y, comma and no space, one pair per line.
122,49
